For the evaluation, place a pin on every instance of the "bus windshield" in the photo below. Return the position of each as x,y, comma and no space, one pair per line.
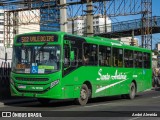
36,59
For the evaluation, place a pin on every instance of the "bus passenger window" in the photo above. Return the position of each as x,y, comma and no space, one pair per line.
128,58
86,59
135,59
138,59
90,54
117,57
147,62
104,56
74,63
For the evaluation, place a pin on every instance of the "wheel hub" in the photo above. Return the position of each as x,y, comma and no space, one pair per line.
83,94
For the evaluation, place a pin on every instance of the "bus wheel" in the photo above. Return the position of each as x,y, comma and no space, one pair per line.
84,95
43,101
132,92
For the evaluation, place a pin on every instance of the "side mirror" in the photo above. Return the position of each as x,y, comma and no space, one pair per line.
72,55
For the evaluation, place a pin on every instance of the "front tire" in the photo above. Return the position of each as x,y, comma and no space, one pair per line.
132,92
84,95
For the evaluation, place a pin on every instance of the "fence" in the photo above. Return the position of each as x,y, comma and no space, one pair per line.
5,70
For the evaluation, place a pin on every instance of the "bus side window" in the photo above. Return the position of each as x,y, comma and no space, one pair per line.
131,59
128,58
90,56
136,59
140,60
126,64
117,57
146,62
74,63
104,56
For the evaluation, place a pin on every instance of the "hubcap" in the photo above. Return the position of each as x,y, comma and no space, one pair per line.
83,94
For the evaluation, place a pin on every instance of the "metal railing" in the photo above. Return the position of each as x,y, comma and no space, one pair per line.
119,26
5,70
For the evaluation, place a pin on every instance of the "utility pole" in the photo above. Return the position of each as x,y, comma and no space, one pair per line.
132,40
63,14
105,12
73,26
15,26
89,18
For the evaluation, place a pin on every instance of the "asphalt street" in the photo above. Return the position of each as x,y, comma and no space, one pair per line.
100,108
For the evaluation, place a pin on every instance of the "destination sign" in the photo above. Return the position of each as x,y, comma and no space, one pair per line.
37,38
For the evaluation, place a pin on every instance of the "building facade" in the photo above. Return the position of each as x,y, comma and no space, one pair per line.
1,27
101,24
78,24
128,41
49,16
22,19
157,47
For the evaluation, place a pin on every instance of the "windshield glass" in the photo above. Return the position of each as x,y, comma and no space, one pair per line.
36,59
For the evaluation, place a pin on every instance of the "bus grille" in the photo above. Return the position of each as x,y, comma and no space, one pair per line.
32,79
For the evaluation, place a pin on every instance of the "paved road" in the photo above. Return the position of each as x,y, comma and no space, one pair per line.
109,106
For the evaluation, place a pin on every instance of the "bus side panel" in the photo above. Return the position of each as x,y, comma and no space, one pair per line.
105,81
147,80
138,77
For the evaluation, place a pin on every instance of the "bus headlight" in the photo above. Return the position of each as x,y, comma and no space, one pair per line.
54,83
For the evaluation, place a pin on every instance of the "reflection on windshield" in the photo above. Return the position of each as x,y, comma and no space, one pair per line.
36,59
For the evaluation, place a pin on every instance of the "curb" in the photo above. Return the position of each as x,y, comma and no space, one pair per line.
19,100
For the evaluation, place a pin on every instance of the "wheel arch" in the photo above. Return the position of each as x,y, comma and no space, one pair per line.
89,85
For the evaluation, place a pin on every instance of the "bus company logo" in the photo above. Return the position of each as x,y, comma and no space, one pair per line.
21,114
6,114
116,76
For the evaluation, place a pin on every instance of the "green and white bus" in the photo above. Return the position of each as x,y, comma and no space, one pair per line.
56,65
